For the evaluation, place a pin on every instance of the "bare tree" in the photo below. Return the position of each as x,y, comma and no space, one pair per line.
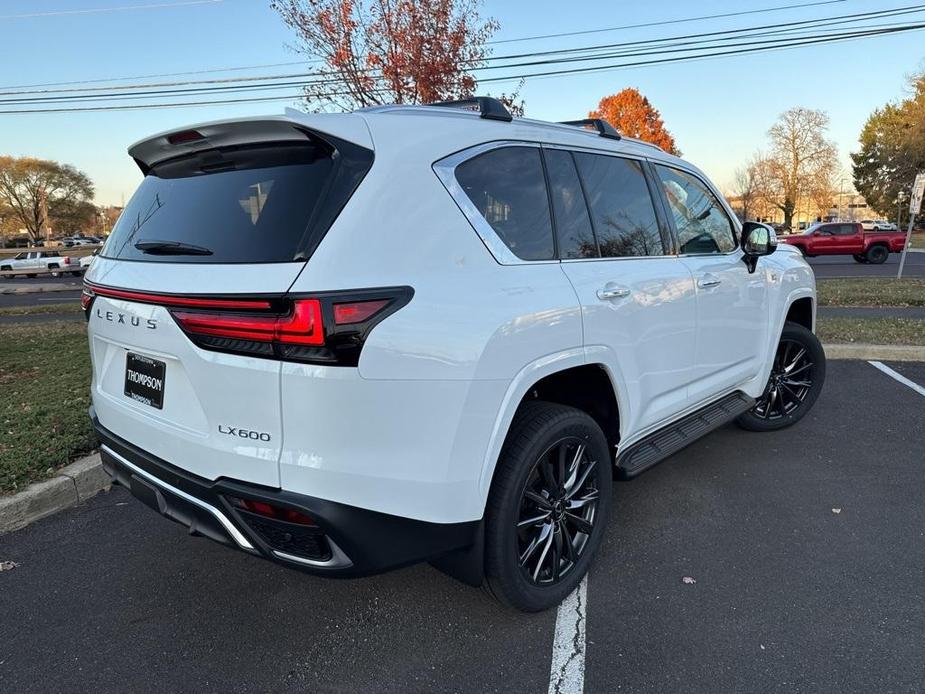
746,186
801,164
36,190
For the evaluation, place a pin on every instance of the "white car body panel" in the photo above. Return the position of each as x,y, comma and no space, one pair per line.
416,428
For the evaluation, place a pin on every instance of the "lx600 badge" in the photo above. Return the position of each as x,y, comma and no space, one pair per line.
243,433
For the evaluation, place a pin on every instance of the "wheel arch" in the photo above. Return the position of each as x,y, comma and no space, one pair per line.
801,311
567,378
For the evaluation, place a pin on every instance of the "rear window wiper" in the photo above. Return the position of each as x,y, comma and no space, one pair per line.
170,248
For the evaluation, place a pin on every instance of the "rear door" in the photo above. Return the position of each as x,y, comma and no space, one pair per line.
732,304
848,239
637,300
214,237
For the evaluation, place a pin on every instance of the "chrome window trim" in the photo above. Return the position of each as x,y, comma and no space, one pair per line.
219,516
446,171
591,150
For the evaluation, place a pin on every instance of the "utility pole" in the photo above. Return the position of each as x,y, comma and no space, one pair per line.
841,198
900,197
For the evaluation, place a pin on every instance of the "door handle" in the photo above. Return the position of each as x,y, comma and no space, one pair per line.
612,292
708,281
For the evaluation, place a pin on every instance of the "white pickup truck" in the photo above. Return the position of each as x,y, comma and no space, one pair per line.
32,263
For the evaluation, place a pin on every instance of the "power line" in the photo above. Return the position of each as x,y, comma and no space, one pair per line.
670,21
786,46
100,10
502,41
319,78
237,88
703,56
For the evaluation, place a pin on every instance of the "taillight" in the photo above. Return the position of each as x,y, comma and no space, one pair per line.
328,328
303,326
357,311
86,300
67,260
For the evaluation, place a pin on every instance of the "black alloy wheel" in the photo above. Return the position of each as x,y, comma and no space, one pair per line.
796,379
557,511
548,505
790,381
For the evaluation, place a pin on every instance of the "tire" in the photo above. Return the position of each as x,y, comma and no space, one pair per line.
877,255
520,559
859,258
799,354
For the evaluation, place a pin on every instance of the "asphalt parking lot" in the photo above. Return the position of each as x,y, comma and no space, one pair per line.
807,548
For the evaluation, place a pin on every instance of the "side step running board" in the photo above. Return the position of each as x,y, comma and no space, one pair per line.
660,444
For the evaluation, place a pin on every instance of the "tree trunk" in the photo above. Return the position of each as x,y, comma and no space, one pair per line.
788,209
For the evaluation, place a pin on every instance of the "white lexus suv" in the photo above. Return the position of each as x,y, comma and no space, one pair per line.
351,342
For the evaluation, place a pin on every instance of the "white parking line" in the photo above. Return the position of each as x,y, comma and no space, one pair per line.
567,672
898,376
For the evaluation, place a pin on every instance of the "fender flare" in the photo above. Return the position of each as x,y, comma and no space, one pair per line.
777,330
519,387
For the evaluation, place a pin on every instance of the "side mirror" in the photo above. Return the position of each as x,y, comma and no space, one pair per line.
757,240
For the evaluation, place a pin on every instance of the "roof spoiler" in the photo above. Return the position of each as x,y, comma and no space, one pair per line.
604,129
294,126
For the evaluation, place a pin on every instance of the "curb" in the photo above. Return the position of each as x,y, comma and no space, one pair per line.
876,352
74,484
37,290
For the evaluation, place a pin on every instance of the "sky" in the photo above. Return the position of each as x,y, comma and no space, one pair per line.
719,110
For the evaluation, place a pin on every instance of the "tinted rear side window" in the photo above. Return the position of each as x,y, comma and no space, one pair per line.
246,205
509,190
621,206
573,224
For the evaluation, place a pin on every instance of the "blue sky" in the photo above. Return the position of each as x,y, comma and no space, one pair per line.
719,110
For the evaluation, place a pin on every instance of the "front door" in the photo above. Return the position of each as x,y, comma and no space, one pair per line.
732,304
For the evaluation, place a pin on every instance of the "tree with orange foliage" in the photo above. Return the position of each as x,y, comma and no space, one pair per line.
632,114
389,51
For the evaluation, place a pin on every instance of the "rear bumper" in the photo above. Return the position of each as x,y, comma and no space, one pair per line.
348,541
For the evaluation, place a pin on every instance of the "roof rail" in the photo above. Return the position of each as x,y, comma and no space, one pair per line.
604,129
487,106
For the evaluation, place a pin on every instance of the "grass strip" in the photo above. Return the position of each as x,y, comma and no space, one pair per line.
871,291
877,331
45,387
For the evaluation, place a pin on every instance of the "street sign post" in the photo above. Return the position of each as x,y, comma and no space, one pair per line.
915,206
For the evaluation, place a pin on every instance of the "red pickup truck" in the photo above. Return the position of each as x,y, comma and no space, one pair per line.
847,238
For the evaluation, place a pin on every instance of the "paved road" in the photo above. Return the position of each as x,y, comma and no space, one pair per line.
789,596
40,298
844,266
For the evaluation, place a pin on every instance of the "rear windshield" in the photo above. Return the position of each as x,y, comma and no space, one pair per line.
257,204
